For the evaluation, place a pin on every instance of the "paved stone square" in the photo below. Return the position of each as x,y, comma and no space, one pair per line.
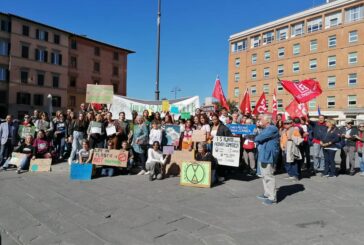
48,208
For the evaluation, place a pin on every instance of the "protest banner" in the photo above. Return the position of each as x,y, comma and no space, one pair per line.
23,131
102,94
95,127
186,115
165,105
196,174
15,158
226,150
243,129
111,130
198,135
172,134
40,165
81,171
106,157
168,150
173,167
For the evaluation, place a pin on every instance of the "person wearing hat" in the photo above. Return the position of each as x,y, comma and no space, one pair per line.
348,151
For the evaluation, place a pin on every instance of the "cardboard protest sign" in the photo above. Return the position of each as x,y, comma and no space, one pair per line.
40,165
172,134
81,171
165,105
95,127
16,157
196,174
110,130
244,129
185,115
168,149
23,131
198,135
173,167
106,157
102,94
174,110
226,150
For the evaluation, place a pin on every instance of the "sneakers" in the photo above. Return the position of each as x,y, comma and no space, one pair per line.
262,197
142,172
159,176
3,168
18,171
147,173
268,202
260,176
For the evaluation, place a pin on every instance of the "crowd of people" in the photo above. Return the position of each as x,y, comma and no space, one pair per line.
277,144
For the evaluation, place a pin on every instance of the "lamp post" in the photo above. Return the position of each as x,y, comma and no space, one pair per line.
50,107
175,90
158,49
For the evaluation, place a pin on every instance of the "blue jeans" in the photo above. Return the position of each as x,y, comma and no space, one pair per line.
329,162
5,151
107,171
318,157
292,169
23,163
361,162
259,172
60,143
76,144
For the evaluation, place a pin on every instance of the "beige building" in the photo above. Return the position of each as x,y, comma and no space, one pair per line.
42,65
325,43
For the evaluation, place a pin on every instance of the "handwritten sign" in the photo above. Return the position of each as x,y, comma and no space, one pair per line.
244,129
173,167
198,135
106,157
165,105
110,130
95,128
168,150
40,165
172,134
102,94
196,174
185,115
81,171
16,158
226,150
23,131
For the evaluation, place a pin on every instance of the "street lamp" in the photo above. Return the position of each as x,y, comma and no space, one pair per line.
50,106
175,90
158,49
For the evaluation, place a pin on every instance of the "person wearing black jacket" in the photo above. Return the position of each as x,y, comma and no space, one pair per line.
348,151
329,143
319,129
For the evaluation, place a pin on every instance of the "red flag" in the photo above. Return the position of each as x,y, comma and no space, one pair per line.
261,106
96,106
294,109
303,91
245,104
219,94
274,106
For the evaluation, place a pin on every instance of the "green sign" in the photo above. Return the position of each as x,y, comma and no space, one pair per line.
186,115
102,94
196,174
23,131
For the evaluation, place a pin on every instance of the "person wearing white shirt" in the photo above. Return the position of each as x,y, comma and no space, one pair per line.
155,161
155,134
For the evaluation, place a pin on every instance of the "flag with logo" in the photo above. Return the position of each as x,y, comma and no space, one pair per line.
261,105
219,94
245,104
303,91
295,109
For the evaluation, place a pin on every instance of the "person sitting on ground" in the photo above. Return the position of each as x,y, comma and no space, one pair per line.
204,155
85,154
125,147
42,147
155,161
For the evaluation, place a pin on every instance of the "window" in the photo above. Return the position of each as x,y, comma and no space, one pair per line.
353,36
237,77
352,58
97,51
5,26
55,81
296,49
314,25
38,99
279,87
56,58
115,71
331,81
253,90
23,98
40,79
56,39
96,67
266,88
236,92
41,35
351,101
41,55
4,47
254,58
73,62
331,61
354,14
255,42
56,101
331,102
281,52
116,56
24,76
268,37
266,72
72,101
267,55
297,29
73,81
25,51
282,34
237,46
313,45
296,67
280,70
352,79
4,73
280,104
25,30
252,103
237,62
254,74
312,104
333,20
332,41
313,64
73,44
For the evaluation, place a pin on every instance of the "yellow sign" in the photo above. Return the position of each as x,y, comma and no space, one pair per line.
165,105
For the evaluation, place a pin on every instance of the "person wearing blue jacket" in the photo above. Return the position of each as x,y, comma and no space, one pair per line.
268,148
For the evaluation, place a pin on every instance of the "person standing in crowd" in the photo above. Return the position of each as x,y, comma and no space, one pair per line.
35,116
83,109
111,137
196,123
329,144
224,115
187,143
8,137
139,143
319,129
44,124
268,147
60,126
155,134
297,124
155,162
348,152
306,145
146,119
96,133
360,147
77,131
249,149
123,129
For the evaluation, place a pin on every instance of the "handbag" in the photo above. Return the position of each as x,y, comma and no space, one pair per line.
248,145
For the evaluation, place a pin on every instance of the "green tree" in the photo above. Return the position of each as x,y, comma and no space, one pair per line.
232,105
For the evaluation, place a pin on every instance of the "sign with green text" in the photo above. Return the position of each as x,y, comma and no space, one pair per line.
23,131
185,115
196,174
102,94
106,157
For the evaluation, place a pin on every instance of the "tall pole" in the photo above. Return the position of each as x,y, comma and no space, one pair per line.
158,49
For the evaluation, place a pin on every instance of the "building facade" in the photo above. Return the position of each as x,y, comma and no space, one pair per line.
46,68
325,43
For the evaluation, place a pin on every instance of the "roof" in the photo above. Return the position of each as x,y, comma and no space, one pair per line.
69,33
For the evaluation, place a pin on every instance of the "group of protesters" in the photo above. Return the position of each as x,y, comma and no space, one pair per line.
279,144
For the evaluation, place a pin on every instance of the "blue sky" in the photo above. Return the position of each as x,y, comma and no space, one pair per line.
194,35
